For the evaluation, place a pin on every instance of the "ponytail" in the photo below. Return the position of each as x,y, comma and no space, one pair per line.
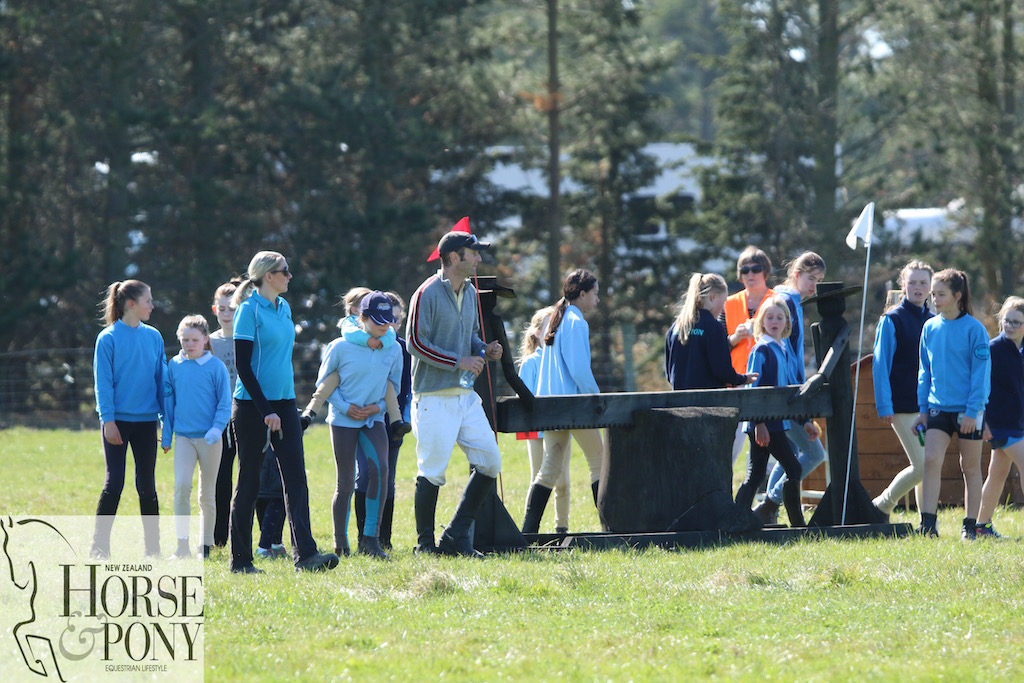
701,287
118,293
577,283
242,292
261,264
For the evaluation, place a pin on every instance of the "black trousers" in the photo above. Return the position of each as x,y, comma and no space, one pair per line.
225,487
141,436
757,466
286,447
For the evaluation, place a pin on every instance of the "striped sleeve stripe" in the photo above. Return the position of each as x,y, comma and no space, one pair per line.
414,330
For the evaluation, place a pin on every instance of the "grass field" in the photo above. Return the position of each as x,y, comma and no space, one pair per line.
914,609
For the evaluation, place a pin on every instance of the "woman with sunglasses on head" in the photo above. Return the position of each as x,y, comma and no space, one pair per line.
1004,415
265,417
753,268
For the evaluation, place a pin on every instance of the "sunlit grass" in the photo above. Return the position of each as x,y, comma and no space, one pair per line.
823,610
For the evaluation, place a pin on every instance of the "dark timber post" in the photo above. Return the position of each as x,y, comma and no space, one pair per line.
831,302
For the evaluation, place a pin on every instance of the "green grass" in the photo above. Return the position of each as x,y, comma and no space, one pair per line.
915,608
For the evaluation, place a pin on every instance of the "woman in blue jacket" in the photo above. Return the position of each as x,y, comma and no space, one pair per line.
565,370
129,364
952,391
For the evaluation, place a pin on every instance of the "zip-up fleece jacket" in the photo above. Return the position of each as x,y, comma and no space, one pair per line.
439,334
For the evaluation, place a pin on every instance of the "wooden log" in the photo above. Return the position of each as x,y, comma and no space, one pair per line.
593,411
672,471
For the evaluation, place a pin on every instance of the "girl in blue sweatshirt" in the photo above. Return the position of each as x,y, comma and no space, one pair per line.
952,390
128,370
696,347
356,416
197,407
768,359
1004,417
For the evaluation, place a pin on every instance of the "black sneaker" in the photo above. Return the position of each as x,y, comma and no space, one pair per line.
927,531
967,533
986,531
317,562
247,569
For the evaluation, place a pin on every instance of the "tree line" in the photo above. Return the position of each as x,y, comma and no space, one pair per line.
170,142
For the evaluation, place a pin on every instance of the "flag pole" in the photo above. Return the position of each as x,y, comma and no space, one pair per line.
860,341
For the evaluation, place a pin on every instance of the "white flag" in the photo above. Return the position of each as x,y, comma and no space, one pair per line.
862,228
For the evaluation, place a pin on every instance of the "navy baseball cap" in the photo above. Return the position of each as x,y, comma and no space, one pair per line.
453,241
377,306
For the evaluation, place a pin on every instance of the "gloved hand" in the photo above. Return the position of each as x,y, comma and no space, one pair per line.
212,436
306,418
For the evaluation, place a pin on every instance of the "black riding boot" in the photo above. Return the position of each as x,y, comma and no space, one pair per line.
360,506
791,499
425,503
384,533
457,539
536,501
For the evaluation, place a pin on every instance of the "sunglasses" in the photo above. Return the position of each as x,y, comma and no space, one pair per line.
282,270
751,269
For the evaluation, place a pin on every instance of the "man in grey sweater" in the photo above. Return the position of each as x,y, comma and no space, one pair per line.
443,337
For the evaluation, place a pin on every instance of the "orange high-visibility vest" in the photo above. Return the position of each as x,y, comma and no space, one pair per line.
736,313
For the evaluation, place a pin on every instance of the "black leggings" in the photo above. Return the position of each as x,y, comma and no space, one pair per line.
141,436
757,465
251,437
225,487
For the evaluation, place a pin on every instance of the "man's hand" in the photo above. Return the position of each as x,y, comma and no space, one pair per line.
474,364
494,351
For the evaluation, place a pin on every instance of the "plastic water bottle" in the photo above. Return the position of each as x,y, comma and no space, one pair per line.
468,380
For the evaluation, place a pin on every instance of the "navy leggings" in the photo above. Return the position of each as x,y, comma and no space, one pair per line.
141,436
757,464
